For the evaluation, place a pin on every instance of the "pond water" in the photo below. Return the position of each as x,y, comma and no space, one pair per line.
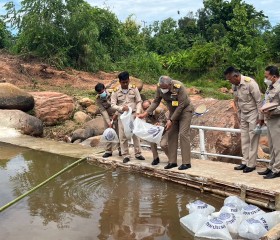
88,201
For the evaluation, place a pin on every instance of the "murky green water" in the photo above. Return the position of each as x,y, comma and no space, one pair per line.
88,202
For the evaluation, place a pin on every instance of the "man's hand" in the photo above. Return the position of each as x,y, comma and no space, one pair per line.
125,108
142,115
168,125
260,122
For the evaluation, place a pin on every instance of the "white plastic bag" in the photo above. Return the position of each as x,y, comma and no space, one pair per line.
230,208
214,229
251,229
269,220
251,211
147,131
200,207
232,222
127,121
236,201
109,135
193,222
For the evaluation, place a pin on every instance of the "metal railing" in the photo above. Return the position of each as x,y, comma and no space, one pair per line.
203,153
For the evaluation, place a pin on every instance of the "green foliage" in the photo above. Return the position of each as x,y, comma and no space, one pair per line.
5,35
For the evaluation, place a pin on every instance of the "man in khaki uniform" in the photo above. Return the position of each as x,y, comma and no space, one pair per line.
248,101
103,102
122,98
158,117
272,118
178,124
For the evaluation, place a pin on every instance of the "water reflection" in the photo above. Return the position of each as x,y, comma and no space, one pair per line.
90,202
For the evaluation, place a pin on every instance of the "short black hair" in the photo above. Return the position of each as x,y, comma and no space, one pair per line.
231,70
273,70
123,76
99,87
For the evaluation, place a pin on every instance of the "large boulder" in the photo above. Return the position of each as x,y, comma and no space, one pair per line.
53,107
19,120
222,114
12,97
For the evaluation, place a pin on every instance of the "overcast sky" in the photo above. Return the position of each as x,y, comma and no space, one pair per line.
148,11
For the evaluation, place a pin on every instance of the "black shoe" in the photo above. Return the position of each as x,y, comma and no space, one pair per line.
267,171
184,166
170,165
125,160
106,155
249,169
240,167
120,153
271,175
140,157
155,161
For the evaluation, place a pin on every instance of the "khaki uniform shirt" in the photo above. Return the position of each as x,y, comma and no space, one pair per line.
176,99
158,116
104,105
247,96
131,99
272,95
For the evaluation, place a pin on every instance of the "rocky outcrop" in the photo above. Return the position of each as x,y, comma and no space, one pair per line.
81,117
221,113
53,107
19,120
12,97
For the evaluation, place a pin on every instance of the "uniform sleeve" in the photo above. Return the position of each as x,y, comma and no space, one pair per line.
256,94
103,111
114,100
155,103
276,111
138,101
183,102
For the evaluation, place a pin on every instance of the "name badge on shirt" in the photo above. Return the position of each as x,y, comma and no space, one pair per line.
175,103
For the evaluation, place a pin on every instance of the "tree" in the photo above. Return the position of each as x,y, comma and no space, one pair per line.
5,35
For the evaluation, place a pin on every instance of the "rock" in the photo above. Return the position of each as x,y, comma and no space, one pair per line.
223,90
93,110
53,107
85,102
19,120
93,142
193,91
97,124
12,97
81,117
220,114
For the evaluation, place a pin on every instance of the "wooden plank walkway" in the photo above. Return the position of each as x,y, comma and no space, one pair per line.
209,176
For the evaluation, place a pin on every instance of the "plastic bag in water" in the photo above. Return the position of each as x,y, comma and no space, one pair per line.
251,211
109,135
193,222
236,201
269,220
147,131
127,121
230,208
251,229
200,207
232,222
214,229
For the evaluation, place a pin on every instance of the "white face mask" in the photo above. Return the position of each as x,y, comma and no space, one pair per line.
125,91
164,90
267,82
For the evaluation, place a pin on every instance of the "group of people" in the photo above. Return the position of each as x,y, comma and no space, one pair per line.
176,121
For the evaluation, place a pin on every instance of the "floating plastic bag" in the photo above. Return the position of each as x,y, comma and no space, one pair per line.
109,135
193,222
236,201
251,211
230,208
127,121
200,207
232,222
214,229
251,229
269,220
147,131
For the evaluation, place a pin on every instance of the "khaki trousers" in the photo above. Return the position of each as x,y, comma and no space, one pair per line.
109,145
249,140
273,132
124,142
163,145
180,129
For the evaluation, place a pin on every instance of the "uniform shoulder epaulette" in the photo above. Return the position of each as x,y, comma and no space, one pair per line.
177,85
247,79
158,84
133,85
110,90
115,89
